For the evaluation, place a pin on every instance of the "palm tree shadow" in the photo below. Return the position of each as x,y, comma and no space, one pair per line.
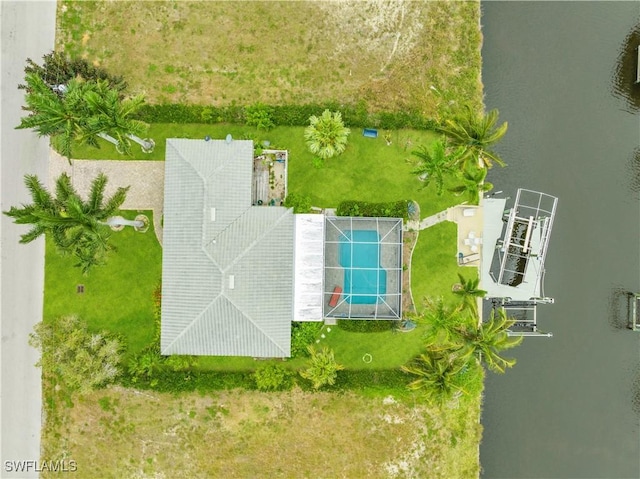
623,84
619,308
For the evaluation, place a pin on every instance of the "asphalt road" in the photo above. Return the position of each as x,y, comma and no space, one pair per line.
27,30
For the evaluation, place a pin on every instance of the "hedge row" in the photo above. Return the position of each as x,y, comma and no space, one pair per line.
394,209
205,381
284,115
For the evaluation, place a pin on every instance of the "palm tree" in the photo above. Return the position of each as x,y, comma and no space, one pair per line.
434,164
487,341
77,227
323,367
62,117
443,323
437,375
477,133
83,111
326,135
468,290
110,118
473,184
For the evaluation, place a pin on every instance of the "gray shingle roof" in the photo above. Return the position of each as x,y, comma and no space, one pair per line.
205,251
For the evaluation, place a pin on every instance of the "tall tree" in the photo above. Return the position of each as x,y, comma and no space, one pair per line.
437,375
469,291
477,133
442,323
487,341
83,111
433,164
472,184
77,227
326,135
110,118
61,117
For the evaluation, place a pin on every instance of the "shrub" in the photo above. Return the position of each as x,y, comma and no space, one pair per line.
303,334
395,209
166,380
272,377
80,359
365,325
299,203
259,115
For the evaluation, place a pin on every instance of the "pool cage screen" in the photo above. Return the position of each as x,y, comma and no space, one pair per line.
362,268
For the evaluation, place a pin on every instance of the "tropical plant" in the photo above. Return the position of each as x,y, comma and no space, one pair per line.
473,184
83,111
61,117
433,164
323,368
476,133
468,291
326,135
81,359
76,226
110,118
272,377
438,375
443,323
488,339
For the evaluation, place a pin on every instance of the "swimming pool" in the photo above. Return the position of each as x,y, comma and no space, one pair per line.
365,281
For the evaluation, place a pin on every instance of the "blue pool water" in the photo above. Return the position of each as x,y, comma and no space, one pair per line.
365,282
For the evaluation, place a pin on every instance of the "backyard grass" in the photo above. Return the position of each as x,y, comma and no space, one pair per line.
434,268
117,433
386,55
373,350
117,296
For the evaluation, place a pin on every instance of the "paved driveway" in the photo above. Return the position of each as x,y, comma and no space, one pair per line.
27,31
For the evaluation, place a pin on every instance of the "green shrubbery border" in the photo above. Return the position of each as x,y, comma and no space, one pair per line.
393,209
204,381
284,115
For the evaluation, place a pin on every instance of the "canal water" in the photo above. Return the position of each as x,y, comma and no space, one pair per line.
561,74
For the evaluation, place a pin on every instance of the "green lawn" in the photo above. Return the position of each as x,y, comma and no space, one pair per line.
434,268
387,350
117,296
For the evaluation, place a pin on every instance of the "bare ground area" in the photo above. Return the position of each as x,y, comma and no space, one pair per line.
393,55
127,433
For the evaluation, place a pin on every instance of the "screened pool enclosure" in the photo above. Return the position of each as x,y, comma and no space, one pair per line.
362,268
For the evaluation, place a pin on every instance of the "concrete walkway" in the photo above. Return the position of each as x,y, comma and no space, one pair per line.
434,219
144,178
